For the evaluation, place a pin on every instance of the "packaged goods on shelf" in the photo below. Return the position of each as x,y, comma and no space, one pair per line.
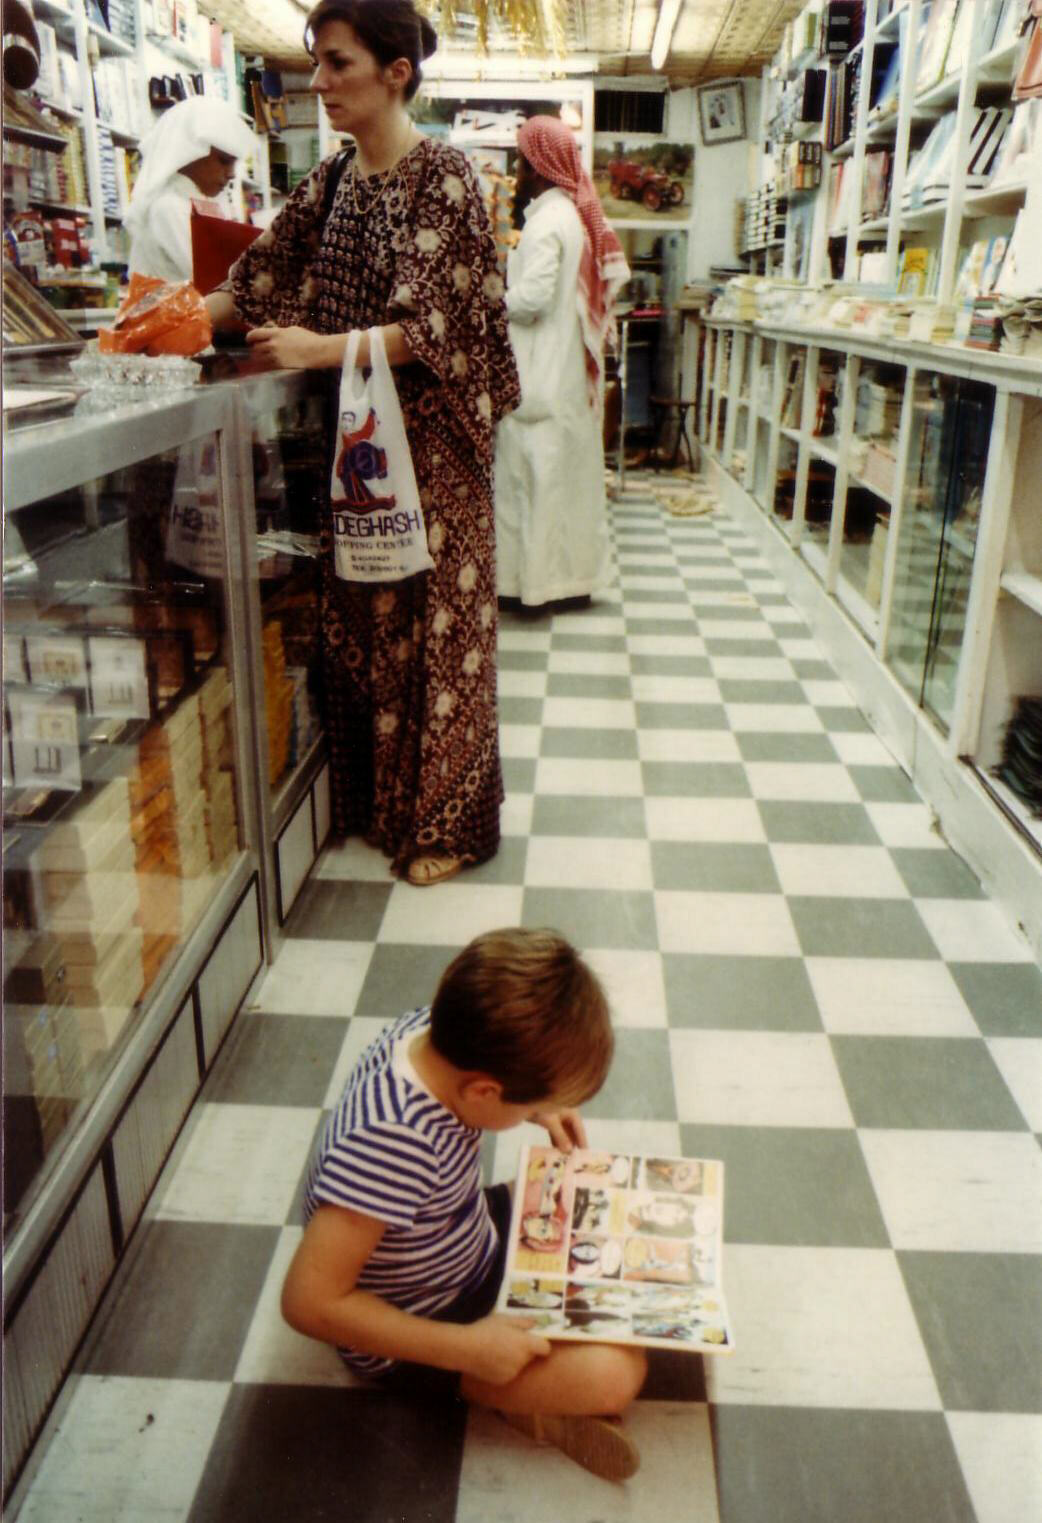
877,560
936,40
1021,764
278,698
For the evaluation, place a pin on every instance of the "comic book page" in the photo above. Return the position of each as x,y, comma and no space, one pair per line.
617,1248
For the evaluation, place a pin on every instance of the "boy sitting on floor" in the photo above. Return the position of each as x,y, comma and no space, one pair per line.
402,1258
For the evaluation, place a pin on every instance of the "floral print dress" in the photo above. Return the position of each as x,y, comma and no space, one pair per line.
409,667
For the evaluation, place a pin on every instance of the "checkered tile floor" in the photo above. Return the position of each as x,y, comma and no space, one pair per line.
808,984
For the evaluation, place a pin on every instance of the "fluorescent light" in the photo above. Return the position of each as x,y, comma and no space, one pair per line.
669,10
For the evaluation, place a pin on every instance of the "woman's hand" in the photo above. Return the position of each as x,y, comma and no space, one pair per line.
296,348
499,1348
565,1127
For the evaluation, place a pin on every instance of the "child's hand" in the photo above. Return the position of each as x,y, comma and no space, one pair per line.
565,1127
501,1347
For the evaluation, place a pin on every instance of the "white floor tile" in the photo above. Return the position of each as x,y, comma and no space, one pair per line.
352,861
580,777
854,872
649,689
596,663
704,602
881,997
757,1078
825,694
362,1030
242,1164
587,862
633,984
451,914
127,1449
753,668
314,978
683,745
665,645
781,614
797,648
811,782
519,739
1001,1458
731,629
1019,1060
774,718
513,638
972,930
604,618
515,814
749,925
821,1327
508,1478
678,819
958,1192
857,749
590,713
906,825
273,1353
513,684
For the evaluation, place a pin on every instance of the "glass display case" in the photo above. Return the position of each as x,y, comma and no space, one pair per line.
125,762
950,431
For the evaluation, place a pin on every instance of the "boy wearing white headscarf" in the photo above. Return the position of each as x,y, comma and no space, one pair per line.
190,154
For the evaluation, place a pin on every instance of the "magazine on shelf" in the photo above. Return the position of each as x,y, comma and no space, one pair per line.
611,1247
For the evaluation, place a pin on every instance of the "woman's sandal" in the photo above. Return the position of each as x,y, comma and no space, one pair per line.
431,868
596,1443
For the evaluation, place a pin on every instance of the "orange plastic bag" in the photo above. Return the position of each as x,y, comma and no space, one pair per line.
157,317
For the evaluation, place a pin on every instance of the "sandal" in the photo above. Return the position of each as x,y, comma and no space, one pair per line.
596,1443
426,870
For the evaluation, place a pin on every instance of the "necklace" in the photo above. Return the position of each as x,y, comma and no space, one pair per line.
365,208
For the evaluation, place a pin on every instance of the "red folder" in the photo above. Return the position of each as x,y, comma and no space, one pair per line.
217,243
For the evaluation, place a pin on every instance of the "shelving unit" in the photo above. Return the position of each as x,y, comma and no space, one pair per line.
927,593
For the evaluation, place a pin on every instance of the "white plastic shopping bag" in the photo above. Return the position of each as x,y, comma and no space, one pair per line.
378,531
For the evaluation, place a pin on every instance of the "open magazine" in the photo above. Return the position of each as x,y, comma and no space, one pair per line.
616,1248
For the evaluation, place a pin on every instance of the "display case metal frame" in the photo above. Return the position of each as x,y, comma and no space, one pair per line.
208,976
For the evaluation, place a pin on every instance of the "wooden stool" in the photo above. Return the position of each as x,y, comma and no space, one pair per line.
662,407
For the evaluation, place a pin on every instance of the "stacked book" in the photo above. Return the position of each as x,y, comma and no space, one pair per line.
215,709
278,700
89,901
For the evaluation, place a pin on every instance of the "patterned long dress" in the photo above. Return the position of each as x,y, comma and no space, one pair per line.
409,667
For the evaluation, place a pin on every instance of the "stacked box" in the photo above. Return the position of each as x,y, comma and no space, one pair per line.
86,870
169,828
215,700
45,1062
278,700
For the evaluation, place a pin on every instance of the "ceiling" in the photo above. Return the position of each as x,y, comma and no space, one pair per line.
713,39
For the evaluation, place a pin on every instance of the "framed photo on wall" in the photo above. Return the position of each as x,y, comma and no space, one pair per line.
721,111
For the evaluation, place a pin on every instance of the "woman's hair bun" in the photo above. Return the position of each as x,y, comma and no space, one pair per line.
428,38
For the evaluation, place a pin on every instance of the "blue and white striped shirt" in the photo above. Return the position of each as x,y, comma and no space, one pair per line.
392,1151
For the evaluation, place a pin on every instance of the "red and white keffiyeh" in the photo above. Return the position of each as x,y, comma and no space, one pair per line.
550,147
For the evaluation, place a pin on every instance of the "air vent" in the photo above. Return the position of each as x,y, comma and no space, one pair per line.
629,110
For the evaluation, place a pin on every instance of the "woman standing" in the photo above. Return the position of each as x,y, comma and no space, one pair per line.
188,155
404,243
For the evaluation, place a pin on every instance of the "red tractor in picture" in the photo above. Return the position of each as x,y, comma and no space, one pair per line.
640,182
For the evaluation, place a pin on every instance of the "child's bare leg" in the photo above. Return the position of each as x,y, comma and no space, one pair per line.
582,1380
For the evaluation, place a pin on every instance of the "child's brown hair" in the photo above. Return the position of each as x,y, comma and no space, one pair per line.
524,1008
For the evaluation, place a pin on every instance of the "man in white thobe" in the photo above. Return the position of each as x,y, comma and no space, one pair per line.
552,542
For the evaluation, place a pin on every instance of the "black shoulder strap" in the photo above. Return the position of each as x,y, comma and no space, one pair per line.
333,178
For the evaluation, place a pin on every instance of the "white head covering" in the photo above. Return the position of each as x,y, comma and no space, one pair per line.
184,133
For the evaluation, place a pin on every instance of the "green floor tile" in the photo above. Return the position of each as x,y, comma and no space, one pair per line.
791,821
739,993
771,746
934,874
713,866
585,741
859,927
1005,999
938,1083
570,815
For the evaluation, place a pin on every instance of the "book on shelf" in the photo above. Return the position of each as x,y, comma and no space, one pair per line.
616,1247
792,397
915,271
937,36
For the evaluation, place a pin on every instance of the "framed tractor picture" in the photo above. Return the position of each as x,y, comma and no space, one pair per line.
644,181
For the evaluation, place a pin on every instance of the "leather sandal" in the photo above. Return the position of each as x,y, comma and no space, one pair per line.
596,1443
430,868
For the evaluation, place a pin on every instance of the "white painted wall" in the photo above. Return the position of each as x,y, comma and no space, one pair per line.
722,177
